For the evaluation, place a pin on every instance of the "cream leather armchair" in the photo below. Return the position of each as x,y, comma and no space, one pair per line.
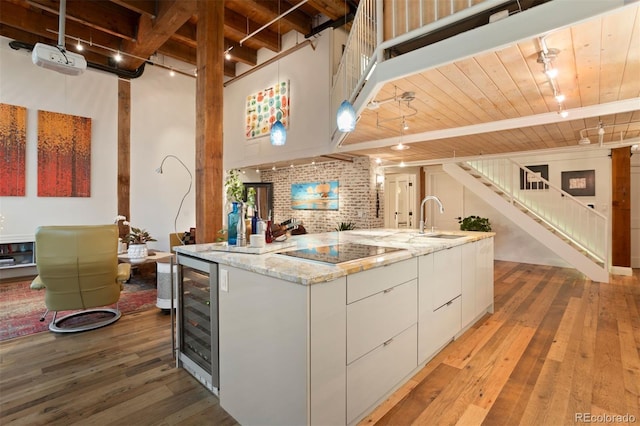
78,268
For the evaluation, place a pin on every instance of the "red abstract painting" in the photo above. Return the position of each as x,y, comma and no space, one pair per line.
64,155
13,148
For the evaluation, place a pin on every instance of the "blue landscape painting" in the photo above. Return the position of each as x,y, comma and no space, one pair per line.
314,196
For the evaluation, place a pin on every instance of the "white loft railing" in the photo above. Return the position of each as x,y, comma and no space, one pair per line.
381,24
570,217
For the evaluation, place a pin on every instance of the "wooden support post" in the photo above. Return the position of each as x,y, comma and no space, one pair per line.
621,207
124,151
209,111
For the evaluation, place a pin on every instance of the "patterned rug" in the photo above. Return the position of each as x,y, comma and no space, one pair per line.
21,307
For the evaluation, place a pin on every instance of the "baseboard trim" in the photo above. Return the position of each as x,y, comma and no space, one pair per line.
621,270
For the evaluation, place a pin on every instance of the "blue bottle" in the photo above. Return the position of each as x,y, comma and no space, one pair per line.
232,225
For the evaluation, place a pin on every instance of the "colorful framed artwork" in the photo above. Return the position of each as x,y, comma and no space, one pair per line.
64,155
13,150
265,108
314,196
531,179
580,183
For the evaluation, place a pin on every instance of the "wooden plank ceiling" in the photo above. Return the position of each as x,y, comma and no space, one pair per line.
140,29
598,63
598,60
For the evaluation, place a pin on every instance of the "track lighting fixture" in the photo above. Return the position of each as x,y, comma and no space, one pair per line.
546,57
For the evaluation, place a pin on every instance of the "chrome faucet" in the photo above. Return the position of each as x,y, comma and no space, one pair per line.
427,198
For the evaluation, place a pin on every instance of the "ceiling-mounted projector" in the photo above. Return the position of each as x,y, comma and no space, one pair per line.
53,58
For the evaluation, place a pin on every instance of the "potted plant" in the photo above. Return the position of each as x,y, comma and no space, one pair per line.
137,239
234,188
474,223
345,226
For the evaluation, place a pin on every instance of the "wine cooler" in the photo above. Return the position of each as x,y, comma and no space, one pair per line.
197,320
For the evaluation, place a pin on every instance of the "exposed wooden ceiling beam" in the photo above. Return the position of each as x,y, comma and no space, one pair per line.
187,54
143,7
101,15
152,34
244,54
267,10
236,27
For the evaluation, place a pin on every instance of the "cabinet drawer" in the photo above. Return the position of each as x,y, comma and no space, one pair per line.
375,374
375,280
375,319
436,328
447,284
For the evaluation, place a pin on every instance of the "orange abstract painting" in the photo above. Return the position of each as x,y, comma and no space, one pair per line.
64,155
13,148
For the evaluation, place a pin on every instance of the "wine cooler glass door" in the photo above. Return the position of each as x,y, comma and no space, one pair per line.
198,316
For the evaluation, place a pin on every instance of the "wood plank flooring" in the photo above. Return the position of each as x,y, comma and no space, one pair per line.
557,344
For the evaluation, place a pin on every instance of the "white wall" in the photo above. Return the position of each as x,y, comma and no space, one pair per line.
163,112
309,74
162,122
92,94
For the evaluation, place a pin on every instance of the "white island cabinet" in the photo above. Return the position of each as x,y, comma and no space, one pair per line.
309,343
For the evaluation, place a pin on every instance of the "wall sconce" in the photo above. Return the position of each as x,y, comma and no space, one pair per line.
379,180
159,170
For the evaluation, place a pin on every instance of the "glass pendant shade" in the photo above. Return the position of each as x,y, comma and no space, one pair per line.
278,134
346,117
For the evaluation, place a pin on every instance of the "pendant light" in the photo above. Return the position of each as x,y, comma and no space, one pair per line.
278,134
346,115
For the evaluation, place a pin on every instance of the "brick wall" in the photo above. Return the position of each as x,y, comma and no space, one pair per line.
356,199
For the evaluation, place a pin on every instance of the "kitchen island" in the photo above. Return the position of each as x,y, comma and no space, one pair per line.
306,341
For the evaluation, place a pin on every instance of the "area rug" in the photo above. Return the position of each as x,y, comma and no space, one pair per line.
21,307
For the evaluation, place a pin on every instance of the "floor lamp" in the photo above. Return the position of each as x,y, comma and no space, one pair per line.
159,170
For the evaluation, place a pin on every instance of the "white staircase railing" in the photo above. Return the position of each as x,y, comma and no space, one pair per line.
576,221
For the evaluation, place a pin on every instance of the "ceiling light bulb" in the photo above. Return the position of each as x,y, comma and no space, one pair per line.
273,168
117,57
402,164
378,161
79,46
227,56
560,97
563,113
405,126
552,72
257,170
172,73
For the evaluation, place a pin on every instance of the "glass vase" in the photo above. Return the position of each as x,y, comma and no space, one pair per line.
232,225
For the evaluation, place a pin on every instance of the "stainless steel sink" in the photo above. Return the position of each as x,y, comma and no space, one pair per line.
443,236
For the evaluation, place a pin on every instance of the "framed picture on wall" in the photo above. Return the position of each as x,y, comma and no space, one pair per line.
314,196
531,179
579,183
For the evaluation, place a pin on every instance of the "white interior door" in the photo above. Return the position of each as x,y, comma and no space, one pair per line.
399,201
450,192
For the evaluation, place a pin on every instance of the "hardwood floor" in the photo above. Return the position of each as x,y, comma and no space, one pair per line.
557,344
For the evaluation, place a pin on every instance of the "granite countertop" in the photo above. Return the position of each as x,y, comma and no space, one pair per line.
308,272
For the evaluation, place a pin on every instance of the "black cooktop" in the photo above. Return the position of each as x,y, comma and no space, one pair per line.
338,253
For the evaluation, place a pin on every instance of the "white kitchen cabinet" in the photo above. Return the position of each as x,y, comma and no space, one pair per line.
371,377
446,282
437,328
469,269
372,281
484,275
439,302
376,319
